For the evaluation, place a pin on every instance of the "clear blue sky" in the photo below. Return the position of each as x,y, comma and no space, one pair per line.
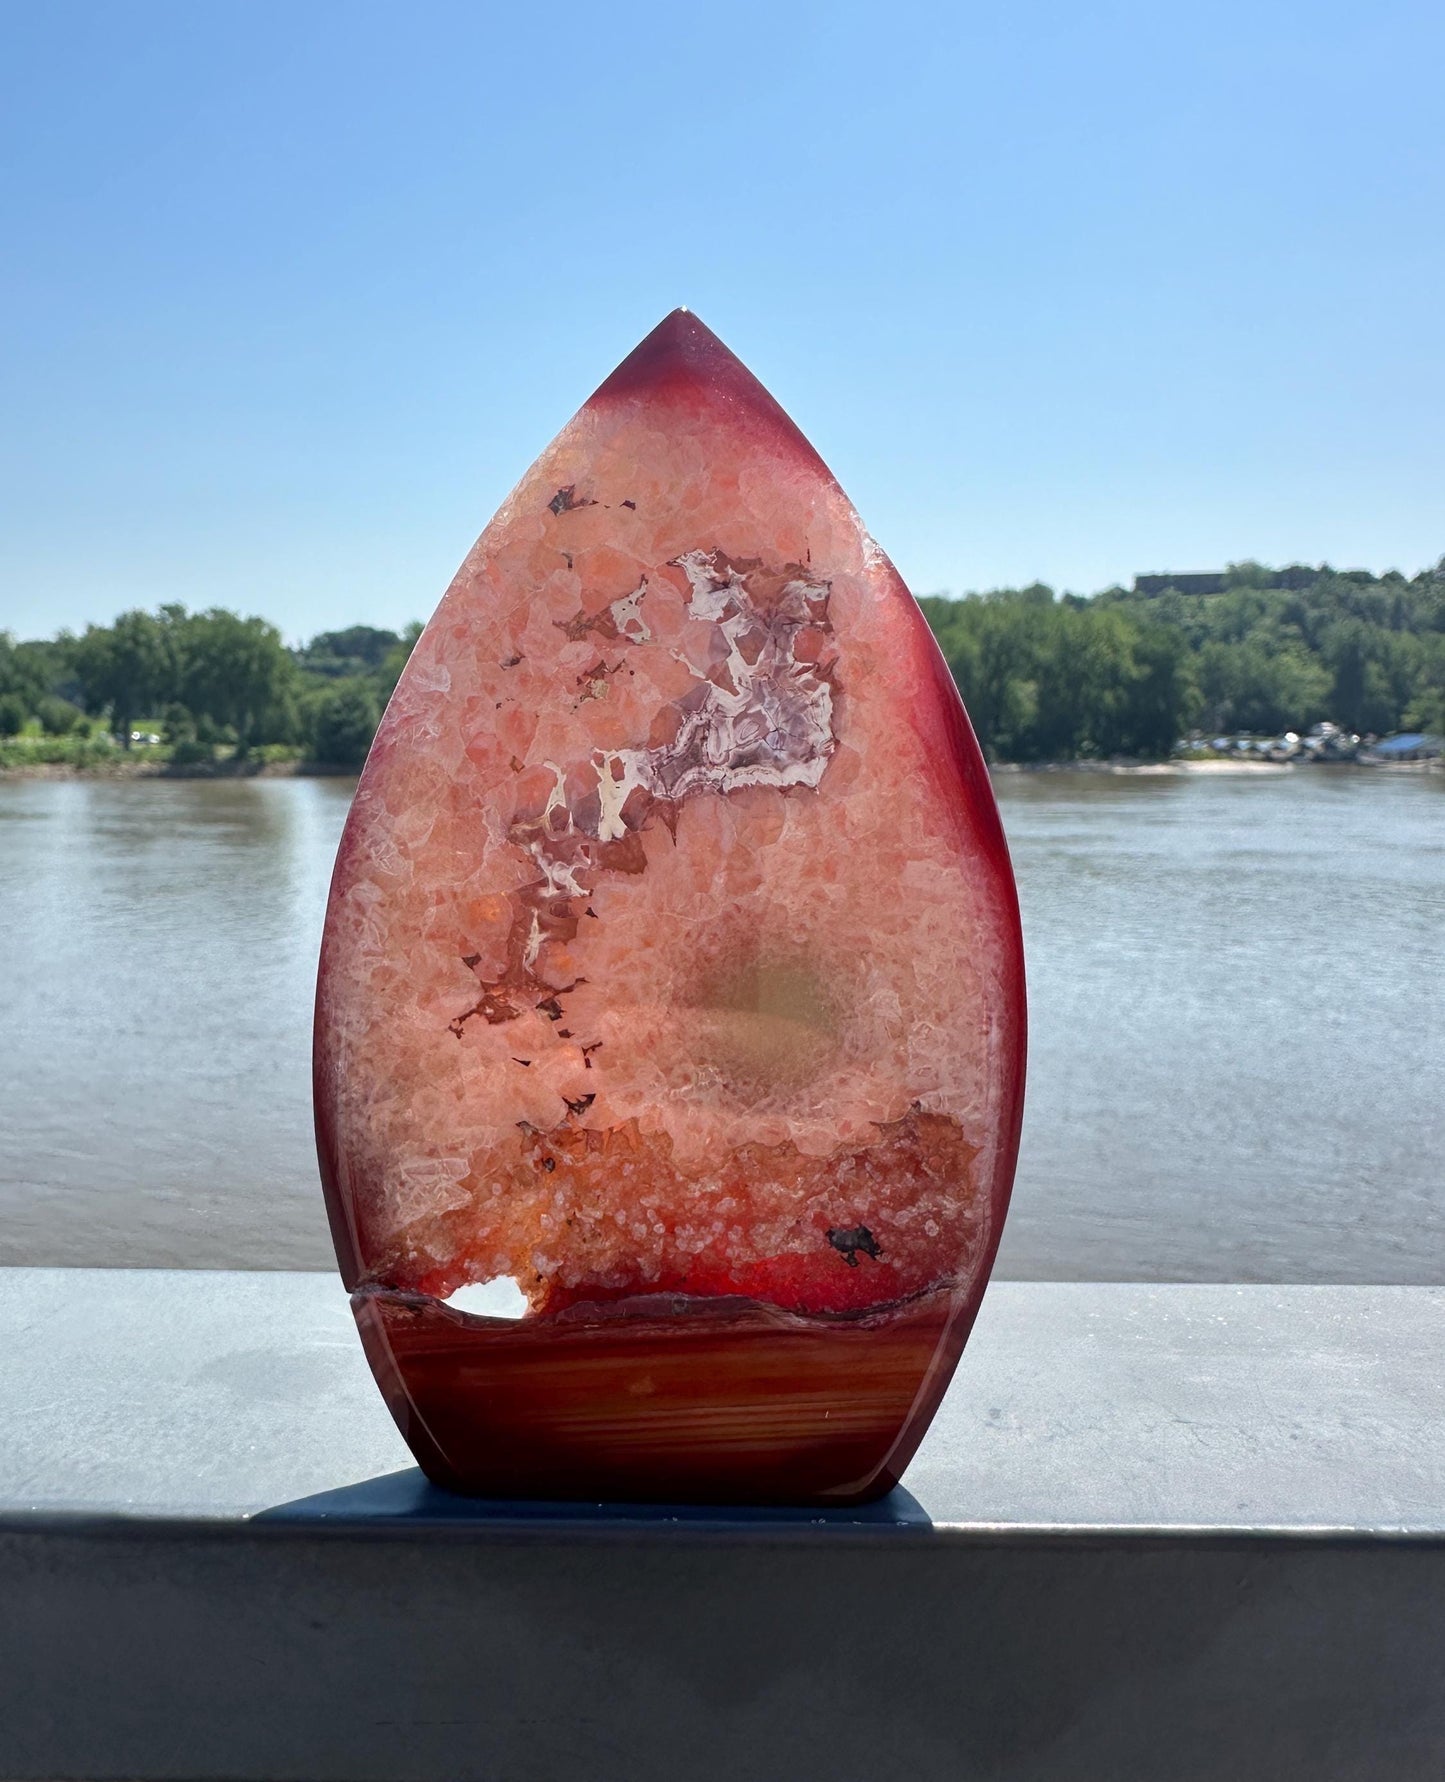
290,295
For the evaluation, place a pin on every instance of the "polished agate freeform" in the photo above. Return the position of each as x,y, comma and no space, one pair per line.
672,970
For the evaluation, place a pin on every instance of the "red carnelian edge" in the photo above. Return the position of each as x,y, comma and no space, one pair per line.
683,360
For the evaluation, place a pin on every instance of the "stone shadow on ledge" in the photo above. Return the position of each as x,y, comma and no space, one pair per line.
398,1502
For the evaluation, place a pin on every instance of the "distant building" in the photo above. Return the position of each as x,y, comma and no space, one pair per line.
1185,584
1295,578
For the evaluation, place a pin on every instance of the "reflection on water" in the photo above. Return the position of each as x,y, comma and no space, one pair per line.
1236,1007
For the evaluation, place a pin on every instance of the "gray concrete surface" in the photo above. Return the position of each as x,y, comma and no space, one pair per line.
1155,1532
1076,1405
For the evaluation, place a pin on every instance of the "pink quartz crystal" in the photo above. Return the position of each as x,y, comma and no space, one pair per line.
672,968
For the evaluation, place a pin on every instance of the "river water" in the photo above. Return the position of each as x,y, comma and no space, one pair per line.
1237,990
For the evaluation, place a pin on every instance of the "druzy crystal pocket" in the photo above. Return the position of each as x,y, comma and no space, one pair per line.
672,970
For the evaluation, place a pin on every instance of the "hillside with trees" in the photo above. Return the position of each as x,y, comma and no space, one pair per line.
1129,672
1045,677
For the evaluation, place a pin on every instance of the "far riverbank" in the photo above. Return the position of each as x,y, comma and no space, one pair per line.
123,769
1221,768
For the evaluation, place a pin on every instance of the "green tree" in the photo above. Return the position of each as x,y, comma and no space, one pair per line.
18,671
238,674
991,646
1348,654
14,714
1263,686
388,672
58,717
1164,694
344,721
358,650
127,668
1248,574
1053,680
1425,707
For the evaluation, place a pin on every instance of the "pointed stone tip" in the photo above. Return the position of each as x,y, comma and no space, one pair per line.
680,349
683,359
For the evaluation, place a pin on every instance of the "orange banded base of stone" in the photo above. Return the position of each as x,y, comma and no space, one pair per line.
663,1399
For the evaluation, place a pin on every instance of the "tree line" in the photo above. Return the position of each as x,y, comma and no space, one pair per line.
1045,677
1124,672
212,681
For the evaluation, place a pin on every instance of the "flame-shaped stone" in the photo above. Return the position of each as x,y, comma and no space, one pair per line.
672,968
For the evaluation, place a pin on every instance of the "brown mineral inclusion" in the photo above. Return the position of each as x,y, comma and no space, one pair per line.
672,969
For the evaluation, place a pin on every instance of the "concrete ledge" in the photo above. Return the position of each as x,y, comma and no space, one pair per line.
1156,1532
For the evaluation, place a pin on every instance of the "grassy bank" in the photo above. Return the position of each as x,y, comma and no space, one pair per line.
99,757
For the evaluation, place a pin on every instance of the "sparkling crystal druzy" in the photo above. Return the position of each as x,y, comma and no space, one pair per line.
672,969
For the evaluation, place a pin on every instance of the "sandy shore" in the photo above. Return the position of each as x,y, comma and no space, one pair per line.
1137,768
1221,767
